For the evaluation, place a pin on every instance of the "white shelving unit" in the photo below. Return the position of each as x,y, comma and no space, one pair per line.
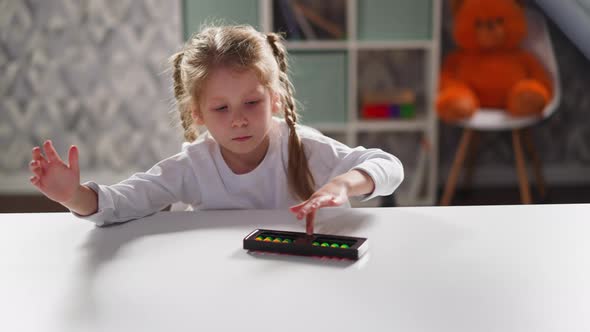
421,181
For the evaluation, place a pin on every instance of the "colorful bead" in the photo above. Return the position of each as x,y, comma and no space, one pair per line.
287,241
268,239
259,238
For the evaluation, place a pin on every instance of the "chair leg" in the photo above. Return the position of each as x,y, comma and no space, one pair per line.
525,193
537,165
471,159
456,167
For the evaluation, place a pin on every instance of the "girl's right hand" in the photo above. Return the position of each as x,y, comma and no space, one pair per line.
55,179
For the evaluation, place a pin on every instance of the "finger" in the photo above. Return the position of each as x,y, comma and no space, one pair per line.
315,204
309,221
73,158
323,201
33,165
35,181
38,156
306,208
50,152
336,201
35,168
296,208
37,153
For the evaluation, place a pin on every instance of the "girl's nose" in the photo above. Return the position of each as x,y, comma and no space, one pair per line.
239,120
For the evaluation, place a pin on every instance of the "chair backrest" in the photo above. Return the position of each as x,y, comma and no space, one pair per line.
573,19
538,41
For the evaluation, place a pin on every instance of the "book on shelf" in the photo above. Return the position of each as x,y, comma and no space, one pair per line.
314,17
300,21
289,19
301,18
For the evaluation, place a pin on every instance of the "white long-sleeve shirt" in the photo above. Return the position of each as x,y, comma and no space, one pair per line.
198,176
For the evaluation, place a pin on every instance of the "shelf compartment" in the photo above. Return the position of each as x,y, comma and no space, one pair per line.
395,19
320,86
195,13
391,85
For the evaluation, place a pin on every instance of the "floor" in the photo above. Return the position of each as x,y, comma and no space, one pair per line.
480,196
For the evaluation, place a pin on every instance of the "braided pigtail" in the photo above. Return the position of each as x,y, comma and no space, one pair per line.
182,97
300,179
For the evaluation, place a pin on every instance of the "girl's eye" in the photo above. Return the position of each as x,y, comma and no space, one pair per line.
221,108
253,102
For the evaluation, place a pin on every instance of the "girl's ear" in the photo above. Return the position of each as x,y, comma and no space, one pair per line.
275,100
196,115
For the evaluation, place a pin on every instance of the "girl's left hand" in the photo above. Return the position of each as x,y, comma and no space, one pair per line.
334,193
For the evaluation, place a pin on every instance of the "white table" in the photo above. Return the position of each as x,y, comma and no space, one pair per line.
502,268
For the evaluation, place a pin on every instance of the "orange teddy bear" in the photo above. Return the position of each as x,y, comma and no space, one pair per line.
490,70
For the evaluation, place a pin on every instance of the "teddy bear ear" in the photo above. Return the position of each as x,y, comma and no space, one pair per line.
456,5
521,3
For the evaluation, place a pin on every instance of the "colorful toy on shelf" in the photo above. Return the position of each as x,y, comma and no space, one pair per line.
490,69
392,104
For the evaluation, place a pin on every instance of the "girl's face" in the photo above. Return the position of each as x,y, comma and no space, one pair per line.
237,111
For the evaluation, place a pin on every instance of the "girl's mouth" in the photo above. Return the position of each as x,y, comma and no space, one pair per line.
241,138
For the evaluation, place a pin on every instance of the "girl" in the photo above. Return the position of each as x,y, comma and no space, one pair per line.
231,80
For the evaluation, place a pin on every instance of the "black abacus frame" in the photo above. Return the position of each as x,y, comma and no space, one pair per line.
302,244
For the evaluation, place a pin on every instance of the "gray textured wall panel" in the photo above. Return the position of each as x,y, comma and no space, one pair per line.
89,73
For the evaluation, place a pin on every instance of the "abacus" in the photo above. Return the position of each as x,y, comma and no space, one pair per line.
296,243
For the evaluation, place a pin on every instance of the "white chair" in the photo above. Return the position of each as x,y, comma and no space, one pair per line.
539,43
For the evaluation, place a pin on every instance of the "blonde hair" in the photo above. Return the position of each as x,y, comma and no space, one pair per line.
241,47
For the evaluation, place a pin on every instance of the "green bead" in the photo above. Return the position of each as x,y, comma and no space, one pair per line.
334,245
344,246
315,243
287,241
325,244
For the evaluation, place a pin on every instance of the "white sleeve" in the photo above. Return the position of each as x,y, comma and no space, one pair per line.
331,158
145,193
